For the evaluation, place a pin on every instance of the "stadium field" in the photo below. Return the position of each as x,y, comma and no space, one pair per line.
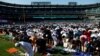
4,45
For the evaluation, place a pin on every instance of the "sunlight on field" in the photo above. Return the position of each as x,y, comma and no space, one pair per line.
4,45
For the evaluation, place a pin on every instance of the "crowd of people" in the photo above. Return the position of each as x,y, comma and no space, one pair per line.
43,37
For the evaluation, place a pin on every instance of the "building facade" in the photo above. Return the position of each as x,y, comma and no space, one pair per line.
16,12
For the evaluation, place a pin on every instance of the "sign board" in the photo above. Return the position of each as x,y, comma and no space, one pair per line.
41,3
72,3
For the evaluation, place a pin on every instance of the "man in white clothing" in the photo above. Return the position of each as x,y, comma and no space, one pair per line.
26,46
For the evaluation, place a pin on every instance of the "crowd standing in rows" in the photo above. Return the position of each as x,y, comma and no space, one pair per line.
41,37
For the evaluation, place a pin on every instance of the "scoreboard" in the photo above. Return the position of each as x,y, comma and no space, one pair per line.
72,3
40,3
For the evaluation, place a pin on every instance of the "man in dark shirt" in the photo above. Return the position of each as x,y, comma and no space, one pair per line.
41,44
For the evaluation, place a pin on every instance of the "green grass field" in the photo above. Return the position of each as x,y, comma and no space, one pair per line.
5,45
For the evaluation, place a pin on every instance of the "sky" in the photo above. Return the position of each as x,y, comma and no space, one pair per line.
52,1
